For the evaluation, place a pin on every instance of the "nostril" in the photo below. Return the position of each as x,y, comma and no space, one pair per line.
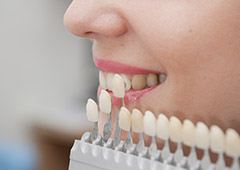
89,33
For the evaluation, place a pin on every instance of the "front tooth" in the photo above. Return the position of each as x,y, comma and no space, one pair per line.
118,86
102,80
105,102
109,80
188,133
152,80
124,119
202,136
162,77
163,127
232,143
149,123
137,121
127,82
139,82
92,110
216,139
175,129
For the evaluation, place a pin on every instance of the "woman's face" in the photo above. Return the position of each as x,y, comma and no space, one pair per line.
196,43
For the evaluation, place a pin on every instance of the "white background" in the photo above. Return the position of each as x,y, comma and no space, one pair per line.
44,70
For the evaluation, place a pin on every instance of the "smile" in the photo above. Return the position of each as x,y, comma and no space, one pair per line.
137,81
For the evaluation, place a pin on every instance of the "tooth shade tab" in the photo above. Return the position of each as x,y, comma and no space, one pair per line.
232,143
137,121
202,136
152,80
102,80
118,86
175,129
163,127
127,82
124,119
217,139
109,80
92,110
149,124
105,102
188,133
139,82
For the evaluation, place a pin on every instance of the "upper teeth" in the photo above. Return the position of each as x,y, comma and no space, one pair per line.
109,79
118,86
136,82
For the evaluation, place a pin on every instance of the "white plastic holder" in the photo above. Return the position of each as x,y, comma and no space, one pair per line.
88,156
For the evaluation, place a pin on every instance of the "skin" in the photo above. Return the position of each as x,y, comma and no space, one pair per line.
196,43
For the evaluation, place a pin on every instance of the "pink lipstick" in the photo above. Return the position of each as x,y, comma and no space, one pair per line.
116,67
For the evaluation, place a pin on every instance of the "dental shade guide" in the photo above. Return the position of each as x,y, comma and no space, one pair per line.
137,127
175,130
105,105
92,115
118,91
96,152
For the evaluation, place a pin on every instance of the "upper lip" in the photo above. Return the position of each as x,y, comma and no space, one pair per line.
117,67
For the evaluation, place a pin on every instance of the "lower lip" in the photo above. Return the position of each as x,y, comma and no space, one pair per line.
131,96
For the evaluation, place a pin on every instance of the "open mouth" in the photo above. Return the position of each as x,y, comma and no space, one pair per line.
117,82
137,81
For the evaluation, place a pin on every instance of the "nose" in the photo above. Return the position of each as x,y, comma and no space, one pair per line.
93,19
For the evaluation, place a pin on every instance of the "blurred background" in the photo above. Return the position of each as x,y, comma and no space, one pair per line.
46,76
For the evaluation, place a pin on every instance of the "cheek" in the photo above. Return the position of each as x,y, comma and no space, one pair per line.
201,55
179,36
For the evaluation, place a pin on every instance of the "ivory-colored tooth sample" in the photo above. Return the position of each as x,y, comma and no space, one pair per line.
124,119
105,102
162,77
202,136
137,121
217,139
152,80
118,86
149,124
102,80
92,110
139,82
175,129
232,141
188,133
127,82
109,79
163,127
